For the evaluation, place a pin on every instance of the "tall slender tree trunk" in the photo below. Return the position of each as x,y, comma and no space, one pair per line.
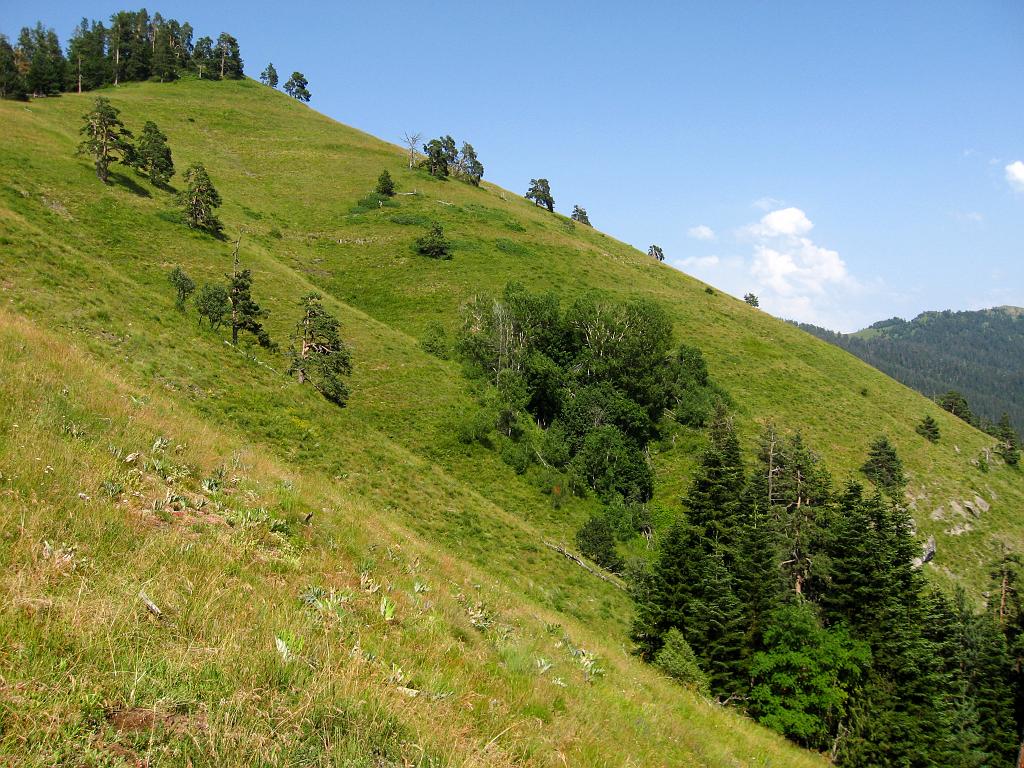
223,56
117,63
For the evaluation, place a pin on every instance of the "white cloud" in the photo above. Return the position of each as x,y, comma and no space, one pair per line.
969,217
1015,175
701,232
782,222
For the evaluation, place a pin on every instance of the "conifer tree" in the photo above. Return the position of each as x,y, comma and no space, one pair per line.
106,139
714,502
928,429
434,244
296,87
540,193
12,85
318,355
472,168
436,159
183,286
204,60
229,57
199,199
580,215
245,312
883,466
655,252
87,68
596,540
153,154
1009,443
269,76
385,184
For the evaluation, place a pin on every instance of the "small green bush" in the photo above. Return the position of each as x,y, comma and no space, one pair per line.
677,660
435,341
434,244
596,540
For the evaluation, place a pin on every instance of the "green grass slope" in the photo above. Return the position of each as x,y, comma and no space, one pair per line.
97,364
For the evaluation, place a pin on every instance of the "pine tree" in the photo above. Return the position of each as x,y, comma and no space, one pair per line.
87,67
385,184
229,58
677,660
269,76
12,85
318,355
183,286
106,139
296,87
472,168
751,299
1009,443
714,502
204,60
540,193
245,312
883,466
580,215
436,159
199,199
46,71
655,252
928,429
153,154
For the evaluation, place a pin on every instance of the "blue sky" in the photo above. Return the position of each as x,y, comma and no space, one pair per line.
845,161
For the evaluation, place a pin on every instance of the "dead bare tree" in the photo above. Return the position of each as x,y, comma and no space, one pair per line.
412,141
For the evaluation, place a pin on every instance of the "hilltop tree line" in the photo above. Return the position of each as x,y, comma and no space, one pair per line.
133,46
979,354
805,606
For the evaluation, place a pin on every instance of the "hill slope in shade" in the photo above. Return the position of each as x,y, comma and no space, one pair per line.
978,353
102,366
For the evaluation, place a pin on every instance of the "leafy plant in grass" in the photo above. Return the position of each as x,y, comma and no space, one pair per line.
213,304
928,429
106,139
677,660
199,199
596,540
183,286
318,355
434,341
434,244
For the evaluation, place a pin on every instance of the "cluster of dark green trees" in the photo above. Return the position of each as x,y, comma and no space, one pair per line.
133,47
1009,443
979,353
443,158
580,391
804,605
106,141
317,355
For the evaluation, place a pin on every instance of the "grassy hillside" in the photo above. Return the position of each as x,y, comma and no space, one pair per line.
101,365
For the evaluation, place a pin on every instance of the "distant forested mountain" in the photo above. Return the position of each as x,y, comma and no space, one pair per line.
980,354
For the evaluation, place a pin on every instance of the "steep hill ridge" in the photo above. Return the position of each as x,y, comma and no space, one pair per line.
88,310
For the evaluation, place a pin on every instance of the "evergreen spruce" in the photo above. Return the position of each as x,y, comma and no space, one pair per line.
677,660
883,466
245,312
12,85
318,355
385,184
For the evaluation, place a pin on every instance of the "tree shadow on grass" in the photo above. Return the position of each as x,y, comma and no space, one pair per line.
129,183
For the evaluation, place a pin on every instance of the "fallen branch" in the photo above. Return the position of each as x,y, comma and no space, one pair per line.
615,582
